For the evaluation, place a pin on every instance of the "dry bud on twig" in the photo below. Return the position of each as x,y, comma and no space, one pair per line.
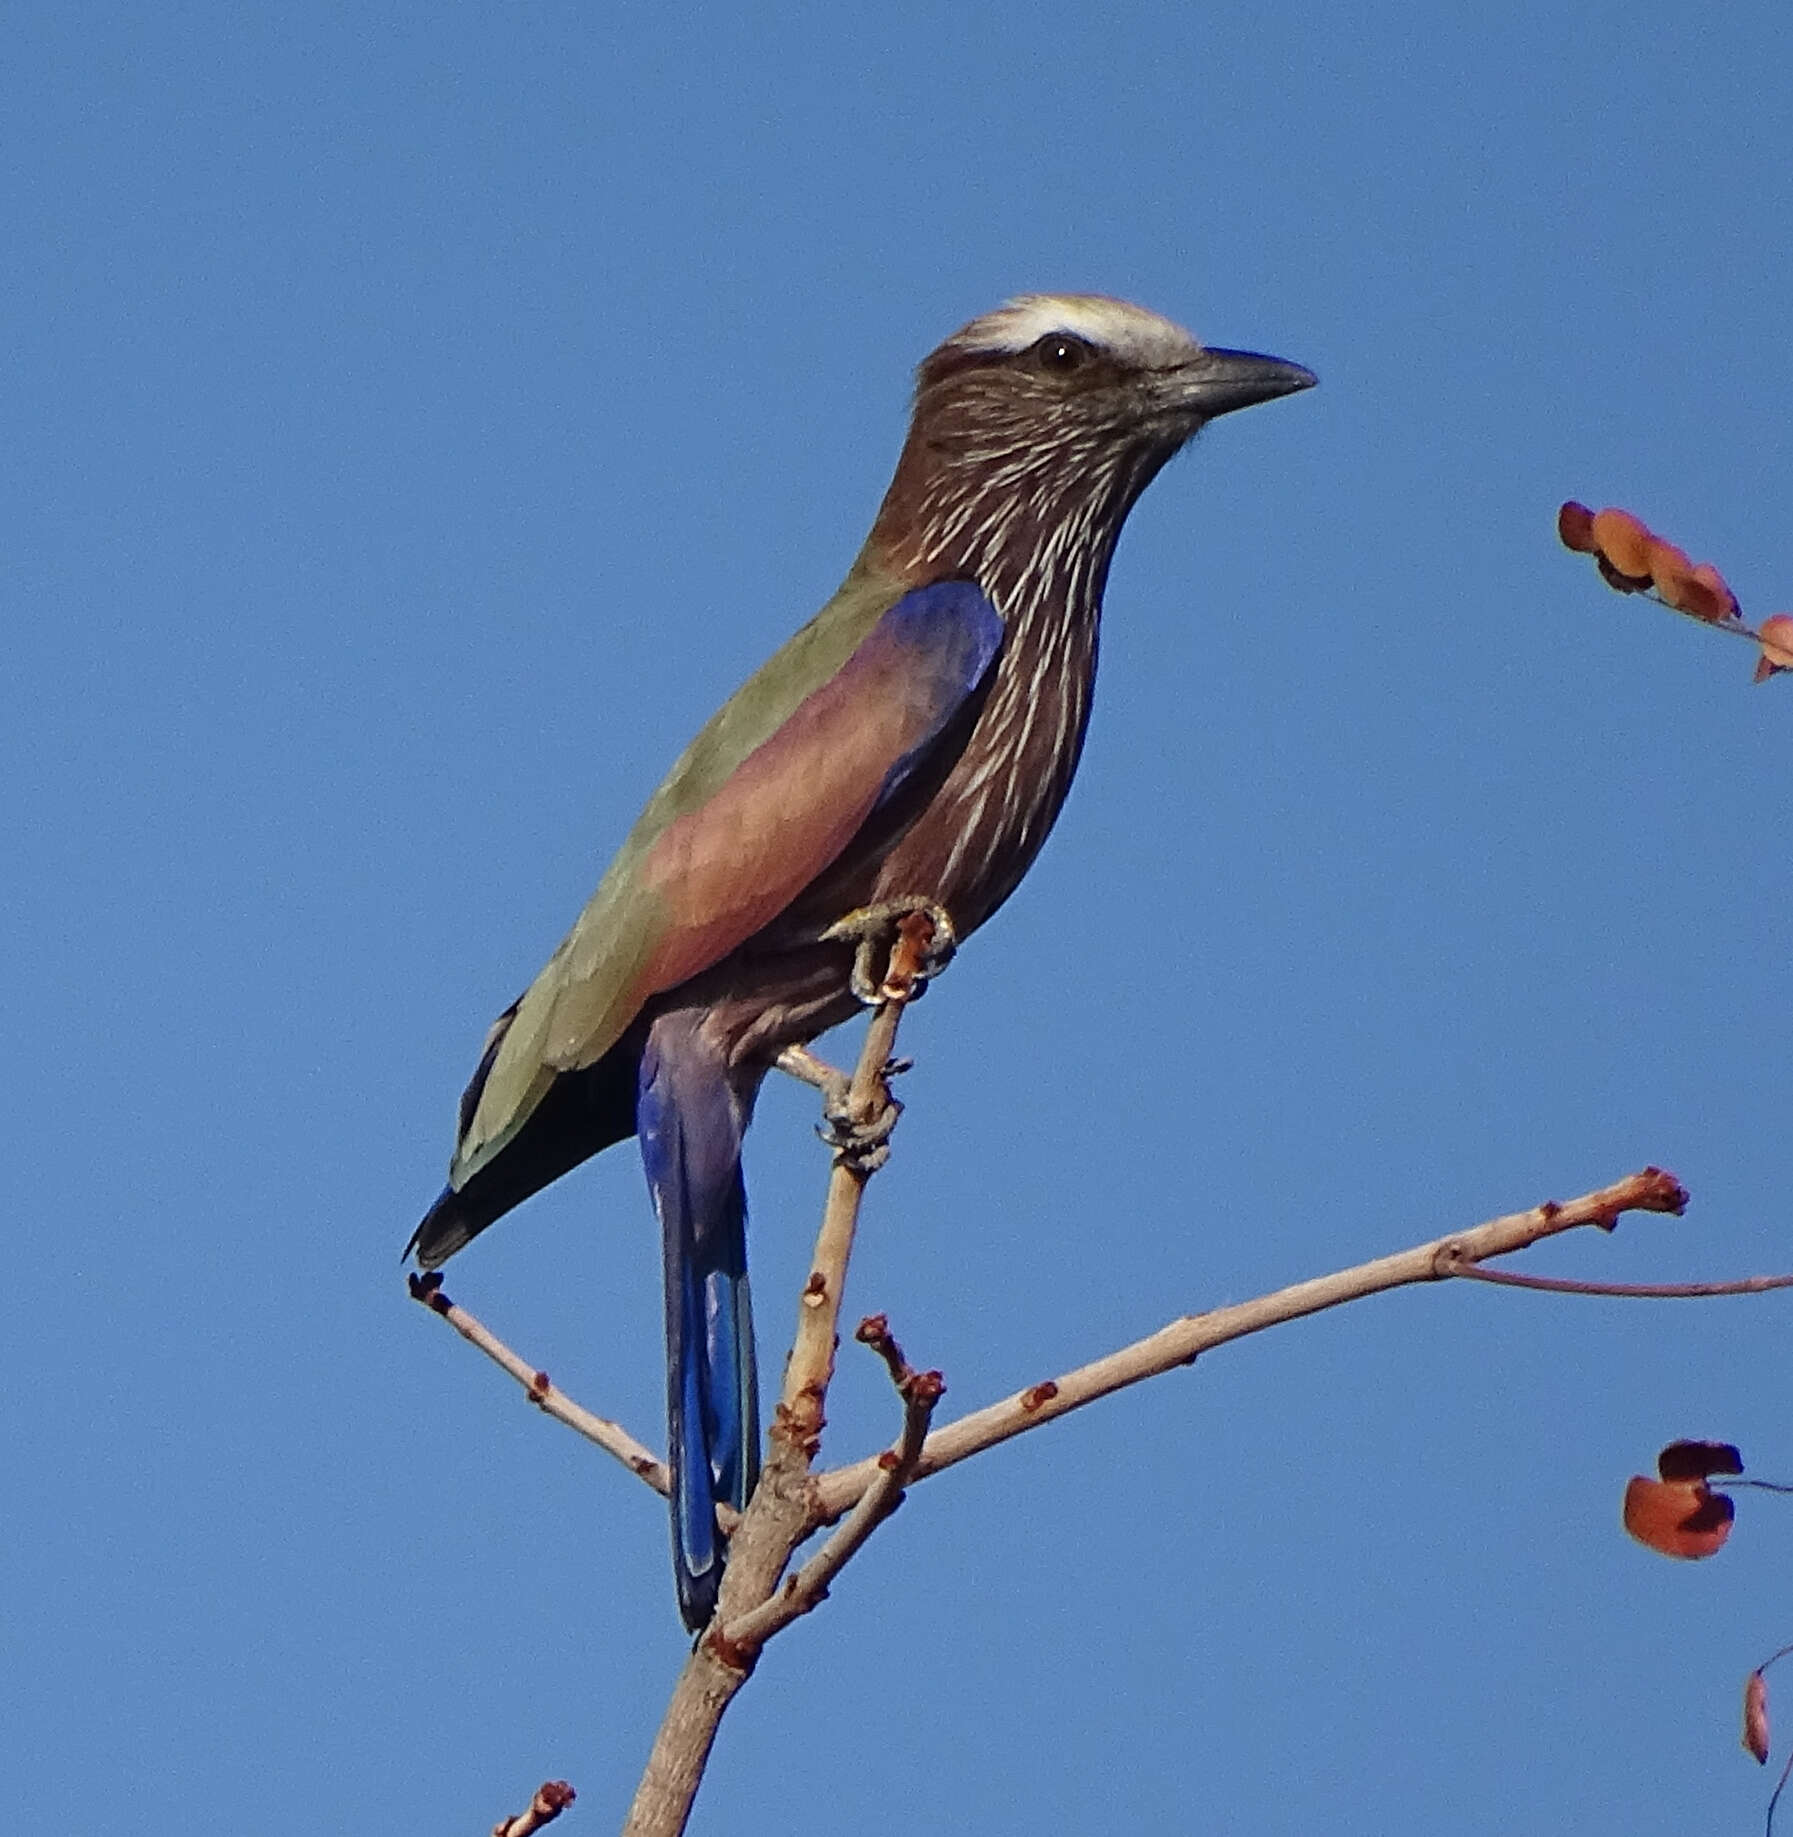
552,1797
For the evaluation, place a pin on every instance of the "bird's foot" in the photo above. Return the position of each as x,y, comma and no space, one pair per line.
862,1144
901,945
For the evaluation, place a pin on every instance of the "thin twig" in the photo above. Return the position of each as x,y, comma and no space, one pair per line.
1775,1797
612,1437
1629,1291
1734,623
874,1331
552,1797
920,1391
1182,1340
811,1364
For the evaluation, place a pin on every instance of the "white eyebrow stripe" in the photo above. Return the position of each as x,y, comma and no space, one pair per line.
1130,332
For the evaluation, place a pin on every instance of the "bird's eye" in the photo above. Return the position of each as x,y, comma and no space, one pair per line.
1058,353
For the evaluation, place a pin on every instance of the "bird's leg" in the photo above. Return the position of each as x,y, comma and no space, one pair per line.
901,945
800,1063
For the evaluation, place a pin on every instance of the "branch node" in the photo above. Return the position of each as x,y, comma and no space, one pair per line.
800,1423
1451,1257
738,1656
1036,1396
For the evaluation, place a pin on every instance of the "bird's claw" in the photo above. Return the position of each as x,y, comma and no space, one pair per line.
901,945
862,1146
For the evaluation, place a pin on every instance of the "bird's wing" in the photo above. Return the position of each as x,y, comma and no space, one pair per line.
764,800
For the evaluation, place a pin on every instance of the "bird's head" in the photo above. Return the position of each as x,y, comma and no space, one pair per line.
1056,409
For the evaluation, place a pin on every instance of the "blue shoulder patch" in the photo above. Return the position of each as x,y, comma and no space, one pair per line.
954,634
955,622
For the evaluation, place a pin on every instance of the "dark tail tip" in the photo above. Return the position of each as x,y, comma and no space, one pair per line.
697,1594
443,1229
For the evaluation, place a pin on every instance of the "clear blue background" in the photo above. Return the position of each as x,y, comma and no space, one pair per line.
415,421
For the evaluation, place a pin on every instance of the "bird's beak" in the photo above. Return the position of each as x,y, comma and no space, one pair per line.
1216,381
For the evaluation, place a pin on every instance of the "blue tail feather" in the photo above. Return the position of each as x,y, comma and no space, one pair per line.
691,1119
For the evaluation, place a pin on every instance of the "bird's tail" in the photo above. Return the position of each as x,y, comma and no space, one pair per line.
691,1121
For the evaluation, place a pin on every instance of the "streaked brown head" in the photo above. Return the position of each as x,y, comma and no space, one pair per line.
1052,414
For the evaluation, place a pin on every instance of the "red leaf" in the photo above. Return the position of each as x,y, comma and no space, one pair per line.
1575,524
1707,596
1683,1518
1755,1716
1624,543
1698,1460
1776,635
1699,592
1669,566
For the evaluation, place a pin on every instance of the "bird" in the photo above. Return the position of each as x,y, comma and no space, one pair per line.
913,743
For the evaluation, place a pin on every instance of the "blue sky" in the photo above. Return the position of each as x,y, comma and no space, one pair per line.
417,421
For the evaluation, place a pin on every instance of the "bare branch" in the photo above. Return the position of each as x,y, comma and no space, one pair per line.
552,1797
612,1437
1181,1341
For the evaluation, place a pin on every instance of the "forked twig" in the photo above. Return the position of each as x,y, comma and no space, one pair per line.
808,1588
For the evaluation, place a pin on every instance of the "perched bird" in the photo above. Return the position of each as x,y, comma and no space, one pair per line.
914,740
